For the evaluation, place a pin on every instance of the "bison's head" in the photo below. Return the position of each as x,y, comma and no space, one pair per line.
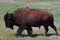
9,22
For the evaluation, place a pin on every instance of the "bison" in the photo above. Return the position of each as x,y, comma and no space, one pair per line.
26,18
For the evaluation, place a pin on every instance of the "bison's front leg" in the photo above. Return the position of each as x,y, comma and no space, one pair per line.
20,30
46,29
29,30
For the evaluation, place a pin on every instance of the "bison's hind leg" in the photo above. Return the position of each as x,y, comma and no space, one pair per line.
54,27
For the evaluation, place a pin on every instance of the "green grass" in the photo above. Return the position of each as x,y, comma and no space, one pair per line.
8,34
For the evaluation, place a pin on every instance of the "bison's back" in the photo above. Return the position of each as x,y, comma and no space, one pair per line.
36,15
32,15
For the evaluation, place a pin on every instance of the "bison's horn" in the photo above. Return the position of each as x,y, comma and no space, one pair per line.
8,15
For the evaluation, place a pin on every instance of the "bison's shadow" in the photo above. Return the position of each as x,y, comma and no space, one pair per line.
35,35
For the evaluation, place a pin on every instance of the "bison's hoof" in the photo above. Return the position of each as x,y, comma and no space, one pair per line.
17,35
29,34
57,34
45,34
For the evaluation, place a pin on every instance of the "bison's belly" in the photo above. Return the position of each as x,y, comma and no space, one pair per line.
35,24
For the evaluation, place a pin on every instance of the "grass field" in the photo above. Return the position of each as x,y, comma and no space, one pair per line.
52,6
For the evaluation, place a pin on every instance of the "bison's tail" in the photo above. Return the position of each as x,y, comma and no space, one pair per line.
51,20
